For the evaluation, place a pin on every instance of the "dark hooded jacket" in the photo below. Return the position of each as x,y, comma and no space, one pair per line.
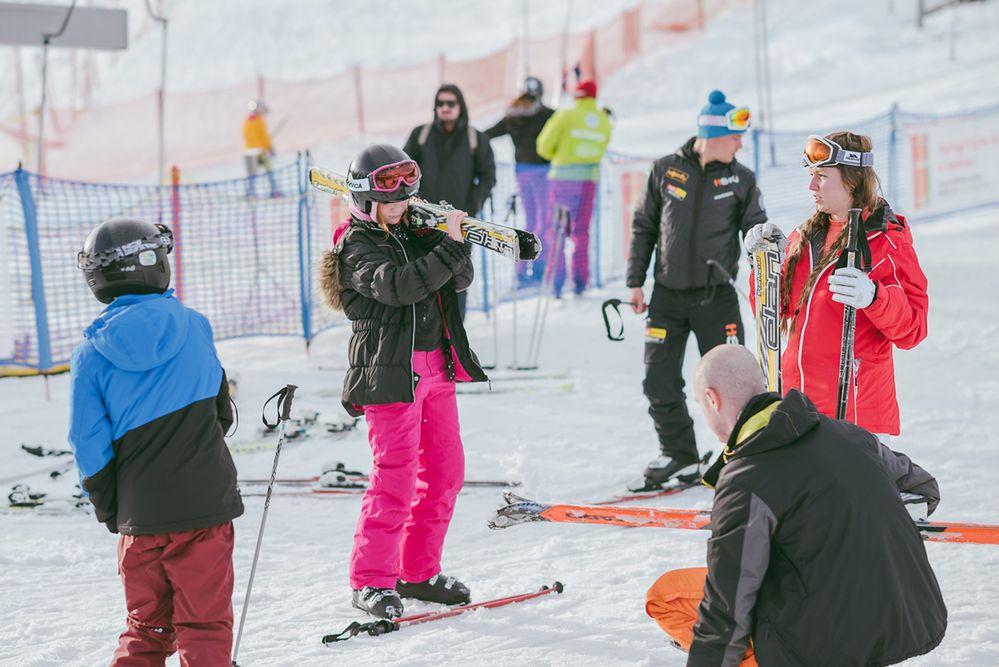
523,122
812,553
452,171
384,283
690,215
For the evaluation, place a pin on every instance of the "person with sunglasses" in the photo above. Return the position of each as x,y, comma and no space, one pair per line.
888,289
697,202
455,159
398,286
523,121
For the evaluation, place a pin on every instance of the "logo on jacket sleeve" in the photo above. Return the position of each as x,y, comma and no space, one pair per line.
677,175
676,191
726,180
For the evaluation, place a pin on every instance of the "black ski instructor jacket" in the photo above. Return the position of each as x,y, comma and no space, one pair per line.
690,215
458,167
812,553
381,282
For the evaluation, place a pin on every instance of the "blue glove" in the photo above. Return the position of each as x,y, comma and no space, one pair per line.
852,287
757,236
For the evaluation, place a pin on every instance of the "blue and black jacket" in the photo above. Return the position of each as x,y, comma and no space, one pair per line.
150,408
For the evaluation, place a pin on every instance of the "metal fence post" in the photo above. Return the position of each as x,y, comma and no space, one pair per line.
893,155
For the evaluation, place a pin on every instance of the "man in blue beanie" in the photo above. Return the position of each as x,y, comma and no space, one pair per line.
696,203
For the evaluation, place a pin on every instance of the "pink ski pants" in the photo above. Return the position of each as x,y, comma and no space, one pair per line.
419,468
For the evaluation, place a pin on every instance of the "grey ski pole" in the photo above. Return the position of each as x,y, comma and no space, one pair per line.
284,398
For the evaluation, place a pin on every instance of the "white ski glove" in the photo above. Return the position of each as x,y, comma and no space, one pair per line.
852,287
759,234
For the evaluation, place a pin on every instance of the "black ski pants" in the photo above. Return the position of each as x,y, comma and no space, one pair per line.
712,314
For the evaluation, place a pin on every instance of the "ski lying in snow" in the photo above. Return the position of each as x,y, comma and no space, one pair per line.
511,242
520,510
38,450
482,389
339,476
54,472
527,376
22,497
383,626
670,488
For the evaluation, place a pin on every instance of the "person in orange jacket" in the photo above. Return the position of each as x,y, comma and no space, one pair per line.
257,147
890,297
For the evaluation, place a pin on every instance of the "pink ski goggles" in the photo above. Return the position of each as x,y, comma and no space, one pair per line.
388,178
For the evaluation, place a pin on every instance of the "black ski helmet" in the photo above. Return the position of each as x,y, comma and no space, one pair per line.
533,87
126,256
362,192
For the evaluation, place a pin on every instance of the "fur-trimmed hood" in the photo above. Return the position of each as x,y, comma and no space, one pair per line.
329,269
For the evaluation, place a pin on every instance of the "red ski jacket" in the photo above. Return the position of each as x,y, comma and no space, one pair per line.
810,362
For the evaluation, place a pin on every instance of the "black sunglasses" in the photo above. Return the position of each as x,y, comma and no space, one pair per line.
446,103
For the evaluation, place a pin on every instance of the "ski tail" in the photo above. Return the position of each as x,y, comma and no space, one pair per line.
510,242
383,626
767,270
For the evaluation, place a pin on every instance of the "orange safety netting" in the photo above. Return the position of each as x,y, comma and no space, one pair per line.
119,142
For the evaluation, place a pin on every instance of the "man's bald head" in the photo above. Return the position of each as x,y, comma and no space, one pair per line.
724,381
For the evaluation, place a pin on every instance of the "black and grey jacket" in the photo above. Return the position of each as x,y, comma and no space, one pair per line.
690,215
812,554
380,281
458,167
523,123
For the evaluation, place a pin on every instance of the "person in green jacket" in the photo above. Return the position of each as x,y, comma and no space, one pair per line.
574,141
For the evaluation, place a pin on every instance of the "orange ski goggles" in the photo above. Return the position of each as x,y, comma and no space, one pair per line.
822,152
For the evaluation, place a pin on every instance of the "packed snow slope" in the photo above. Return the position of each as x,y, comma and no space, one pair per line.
63,605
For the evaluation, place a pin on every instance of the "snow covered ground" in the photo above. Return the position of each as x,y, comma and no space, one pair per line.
62,602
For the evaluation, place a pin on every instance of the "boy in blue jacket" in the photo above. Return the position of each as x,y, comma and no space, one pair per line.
150,407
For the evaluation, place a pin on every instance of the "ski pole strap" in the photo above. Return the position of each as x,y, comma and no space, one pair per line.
284,398
615,304
373,628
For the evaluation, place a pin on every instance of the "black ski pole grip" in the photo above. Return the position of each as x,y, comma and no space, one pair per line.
284,397
615,304
851,236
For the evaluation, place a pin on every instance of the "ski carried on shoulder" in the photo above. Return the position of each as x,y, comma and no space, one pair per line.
510,242
521,510
383,626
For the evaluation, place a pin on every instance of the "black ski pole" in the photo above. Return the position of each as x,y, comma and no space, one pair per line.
849,321
284,398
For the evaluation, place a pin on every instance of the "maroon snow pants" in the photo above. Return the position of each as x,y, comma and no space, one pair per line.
178,591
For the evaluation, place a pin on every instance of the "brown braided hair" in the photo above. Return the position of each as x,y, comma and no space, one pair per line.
863,183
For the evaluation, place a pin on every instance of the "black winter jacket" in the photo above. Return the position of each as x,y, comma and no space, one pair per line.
523,124
451,170
382,280
690,215
812,553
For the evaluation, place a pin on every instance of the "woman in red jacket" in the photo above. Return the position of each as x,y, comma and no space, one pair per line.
890,297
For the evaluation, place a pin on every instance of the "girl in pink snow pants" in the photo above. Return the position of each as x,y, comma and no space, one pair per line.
398,286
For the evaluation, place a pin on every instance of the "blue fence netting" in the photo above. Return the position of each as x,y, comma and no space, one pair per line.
246,259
